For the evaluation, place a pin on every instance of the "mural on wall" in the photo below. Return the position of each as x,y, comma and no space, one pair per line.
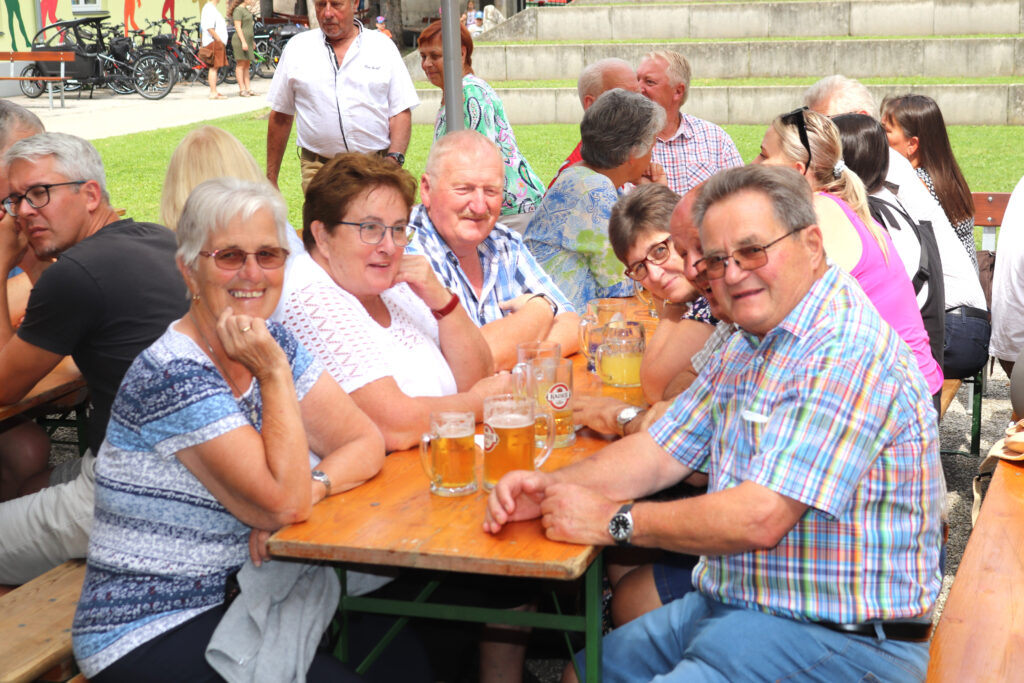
168,7
49,10
14,11
129,14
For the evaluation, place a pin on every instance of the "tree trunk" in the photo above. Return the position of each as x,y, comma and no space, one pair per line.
393,13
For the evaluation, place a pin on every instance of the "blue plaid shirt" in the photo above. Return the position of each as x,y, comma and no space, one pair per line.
509,269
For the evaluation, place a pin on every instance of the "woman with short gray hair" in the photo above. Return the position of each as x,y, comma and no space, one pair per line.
569,232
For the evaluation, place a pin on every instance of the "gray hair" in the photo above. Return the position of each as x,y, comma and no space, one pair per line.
790,195
215,203
619,126
14,118
74,158
841,95
591,80
458,141
678,69
648,208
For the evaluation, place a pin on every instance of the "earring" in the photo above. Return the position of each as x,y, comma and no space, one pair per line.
195,298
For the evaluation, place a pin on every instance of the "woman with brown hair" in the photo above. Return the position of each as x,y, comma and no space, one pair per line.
241,44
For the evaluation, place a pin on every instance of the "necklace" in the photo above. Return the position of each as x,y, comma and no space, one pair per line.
253,414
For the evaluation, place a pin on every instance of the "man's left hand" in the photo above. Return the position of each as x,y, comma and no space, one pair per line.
576,514
655,173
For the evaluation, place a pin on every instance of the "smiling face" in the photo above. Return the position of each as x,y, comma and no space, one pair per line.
361,269
64,220
686,239
758,300
464,200
664,280
251,290
656,85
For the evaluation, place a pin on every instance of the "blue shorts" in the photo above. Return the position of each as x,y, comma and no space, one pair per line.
673,576
700,639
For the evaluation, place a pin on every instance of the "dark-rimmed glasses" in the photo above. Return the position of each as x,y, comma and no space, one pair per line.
746,258
37,196
234,258
372,232
656,254
796,118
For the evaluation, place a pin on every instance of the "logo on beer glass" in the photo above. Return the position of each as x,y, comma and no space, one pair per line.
490,438
558,396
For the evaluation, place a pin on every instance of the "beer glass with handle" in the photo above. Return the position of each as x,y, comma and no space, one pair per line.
510,436
448,453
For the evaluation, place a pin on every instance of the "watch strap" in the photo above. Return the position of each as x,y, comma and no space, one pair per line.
548,299
448,307
397,156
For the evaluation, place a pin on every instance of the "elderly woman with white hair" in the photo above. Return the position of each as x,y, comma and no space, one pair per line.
568,234
209,448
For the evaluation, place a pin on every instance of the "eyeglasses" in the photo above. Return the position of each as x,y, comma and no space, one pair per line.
233,258
657,254
796,118
372,232
747,258
38,196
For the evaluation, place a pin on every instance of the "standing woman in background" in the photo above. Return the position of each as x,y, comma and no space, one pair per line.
916,129
214,34
241,44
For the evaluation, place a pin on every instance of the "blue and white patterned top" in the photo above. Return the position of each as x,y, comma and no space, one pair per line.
568,235
162,546
509,269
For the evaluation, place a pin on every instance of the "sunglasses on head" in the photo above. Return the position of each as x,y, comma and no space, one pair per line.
796,118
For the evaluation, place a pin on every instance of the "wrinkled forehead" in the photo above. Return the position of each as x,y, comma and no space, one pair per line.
476,164
742,219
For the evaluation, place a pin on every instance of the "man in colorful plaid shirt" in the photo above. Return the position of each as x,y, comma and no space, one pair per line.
690,149
485,263
820,533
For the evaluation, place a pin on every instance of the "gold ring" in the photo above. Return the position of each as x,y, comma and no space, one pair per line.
246,328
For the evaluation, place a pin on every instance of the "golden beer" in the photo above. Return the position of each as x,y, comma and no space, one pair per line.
509,444
448,453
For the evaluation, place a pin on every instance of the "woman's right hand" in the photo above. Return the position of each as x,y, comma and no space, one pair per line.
247,340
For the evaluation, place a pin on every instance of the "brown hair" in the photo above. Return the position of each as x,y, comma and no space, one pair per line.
433,32
919,116
341,181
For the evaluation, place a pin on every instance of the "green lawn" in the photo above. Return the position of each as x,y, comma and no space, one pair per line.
992,157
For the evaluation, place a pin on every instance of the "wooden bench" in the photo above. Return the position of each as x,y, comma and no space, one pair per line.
35,631
980,636
62,56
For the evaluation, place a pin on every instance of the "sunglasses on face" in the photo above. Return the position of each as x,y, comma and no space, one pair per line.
233,258
796,118
37,196
746,258
372,232
657,254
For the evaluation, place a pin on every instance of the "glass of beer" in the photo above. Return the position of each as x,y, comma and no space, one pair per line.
618,362
510,436
549,380
592,336
448,453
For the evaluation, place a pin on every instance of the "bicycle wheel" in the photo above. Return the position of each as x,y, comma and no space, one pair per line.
267,67
118,78
32,88
153,76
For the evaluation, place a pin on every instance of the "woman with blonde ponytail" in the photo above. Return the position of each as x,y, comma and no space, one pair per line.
810,143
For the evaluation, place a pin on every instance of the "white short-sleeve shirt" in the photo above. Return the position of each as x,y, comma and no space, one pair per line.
343,108
353,347
209,18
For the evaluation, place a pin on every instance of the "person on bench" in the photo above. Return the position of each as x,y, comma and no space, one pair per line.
112,291
820,533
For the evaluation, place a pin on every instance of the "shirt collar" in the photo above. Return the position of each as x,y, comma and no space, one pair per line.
685,130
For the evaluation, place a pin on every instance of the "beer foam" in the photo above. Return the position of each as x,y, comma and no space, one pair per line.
455,431
510,421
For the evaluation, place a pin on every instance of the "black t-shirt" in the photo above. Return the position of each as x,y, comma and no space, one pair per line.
105,300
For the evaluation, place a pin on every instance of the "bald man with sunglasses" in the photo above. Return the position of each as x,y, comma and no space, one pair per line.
113,289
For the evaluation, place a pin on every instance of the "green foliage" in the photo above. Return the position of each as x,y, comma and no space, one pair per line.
992,157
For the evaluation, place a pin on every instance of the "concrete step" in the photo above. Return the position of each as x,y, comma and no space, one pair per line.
857,58
665,21
973,104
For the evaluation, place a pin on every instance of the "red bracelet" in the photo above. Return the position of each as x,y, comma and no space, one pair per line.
448,307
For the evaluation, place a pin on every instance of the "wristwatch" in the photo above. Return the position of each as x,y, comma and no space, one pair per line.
397,156
625,416
548,299
322,477
448,307
621,526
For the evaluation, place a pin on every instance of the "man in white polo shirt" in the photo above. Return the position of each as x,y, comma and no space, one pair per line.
350,90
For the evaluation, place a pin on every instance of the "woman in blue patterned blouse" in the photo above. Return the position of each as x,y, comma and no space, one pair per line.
209,448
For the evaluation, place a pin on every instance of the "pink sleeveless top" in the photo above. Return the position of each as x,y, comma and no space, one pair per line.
890,290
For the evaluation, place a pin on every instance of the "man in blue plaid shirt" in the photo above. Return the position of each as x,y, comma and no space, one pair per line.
486,264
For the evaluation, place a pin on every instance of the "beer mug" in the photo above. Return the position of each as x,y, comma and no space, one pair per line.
448,453
645,297
606,310
510,436
618,362
527,351
549,381
592,336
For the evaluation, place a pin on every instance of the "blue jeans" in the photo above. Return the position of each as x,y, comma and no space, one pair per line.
697,638
966,344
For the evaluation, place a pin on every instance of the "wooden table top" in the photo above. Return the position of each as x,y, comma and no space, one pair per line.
394,520
980,636
64,386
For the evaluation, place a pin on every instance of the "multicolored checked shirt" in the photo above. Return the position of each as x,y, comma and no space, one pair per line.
829,409
509,269
698,150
